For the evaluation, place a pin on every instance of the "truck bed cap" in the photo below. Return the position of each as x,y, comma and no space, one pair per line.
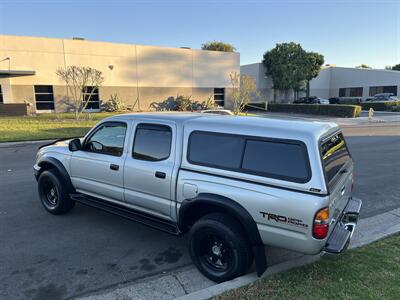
241,123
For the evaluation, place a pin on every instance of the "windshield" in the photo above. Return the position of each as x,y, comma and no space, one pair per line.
334,155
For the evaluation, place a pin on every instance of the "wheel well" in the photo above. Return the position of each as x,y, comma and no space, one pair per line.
54,164
192,210
44,166
199,210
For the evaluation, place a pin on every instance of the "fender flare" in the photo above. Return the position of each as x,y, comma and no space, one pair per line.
53,163
237,211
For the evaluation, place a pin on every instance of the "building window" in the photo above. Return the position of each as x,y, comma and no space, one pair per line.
44,97
91,94
219,96
351,92
392,89
1,96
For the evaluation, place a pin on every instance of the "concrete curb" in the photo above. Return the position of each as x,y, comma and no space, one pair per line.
187,283
13,144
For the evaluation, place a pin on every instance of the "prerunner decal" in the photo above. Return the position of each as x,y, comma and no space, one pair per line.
283,219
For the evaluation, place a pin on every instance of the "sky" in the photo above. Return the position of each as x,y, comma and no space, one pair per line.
348,33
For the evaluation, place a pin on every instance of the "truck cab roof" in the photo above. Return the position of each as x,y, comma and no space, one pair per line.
259,126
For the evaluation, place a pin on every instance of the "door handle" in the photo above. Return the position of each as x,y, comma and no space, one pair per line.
161,175
114,167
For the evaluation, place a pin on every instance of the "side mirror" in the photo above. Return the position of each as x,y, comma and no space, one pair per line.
75,145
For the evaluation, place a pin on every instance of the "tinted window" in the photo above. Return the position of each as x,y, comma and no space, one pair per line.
219,96
44,97
44,105
334,155
351,92
392,89
218,150
356,92
277,160
152,142
108,139
43,89
91,97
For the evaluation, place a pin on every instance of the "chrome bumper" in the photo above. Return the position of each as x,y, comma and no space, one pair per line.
339,239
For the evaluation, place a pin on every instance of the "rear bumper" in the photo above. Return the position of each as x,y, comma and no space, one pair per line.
339,239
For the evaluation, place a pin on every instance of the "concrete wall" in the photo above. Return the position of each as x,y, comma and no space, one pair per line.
320,86
132,71
265,85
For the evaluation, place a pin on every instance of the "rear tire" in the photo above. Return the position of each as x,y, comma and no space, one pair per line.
219,247
53,194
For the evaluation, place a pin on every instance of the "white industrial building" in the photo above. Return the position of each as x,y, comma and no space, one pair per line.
332,82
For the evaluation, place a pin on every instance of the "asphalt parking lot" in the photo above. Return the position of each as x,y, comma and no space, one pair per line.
54,257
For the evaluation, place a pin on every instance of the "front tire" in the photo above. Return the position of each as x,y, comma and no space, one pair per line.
219,247
53,194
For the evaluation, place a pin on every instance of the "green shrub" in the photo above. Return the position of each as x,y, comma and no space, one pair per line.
182,103
208,104
114,104
350,101
334,110
381,106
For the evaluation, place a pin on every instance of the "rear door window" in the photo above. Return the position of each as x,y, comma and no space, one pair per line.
334,156
152,142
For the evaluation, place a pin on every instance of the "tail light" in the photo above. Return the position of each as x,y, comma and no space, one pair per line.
321,224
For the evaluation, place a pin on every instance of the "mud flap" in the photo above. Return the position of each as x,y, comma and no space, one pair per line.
260,259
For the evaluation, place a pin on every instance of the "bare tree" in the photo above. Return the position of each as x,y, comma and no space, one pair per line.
81,83
244,89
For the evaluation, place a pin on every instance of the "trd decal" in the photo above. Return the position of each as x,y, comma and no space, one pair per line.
283,219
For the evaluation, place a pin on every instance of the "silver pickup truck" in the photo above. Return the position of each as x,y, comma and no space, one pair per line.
234,184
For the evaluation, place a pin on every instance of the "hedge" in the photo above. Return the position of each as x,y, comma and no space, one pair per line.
334,110
381,106
350,101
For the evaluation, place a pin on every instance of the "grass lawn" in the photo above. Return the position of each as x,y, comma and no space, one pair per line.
46,126
50,126
371,272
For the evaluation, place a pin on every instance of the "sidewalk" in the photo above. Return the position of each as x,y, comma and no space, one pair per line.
188,283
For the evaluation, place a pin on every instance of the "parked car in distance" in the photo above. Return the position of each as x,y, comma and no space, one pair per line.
323,101
383,97
334,100
233,184
311,100
217,111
